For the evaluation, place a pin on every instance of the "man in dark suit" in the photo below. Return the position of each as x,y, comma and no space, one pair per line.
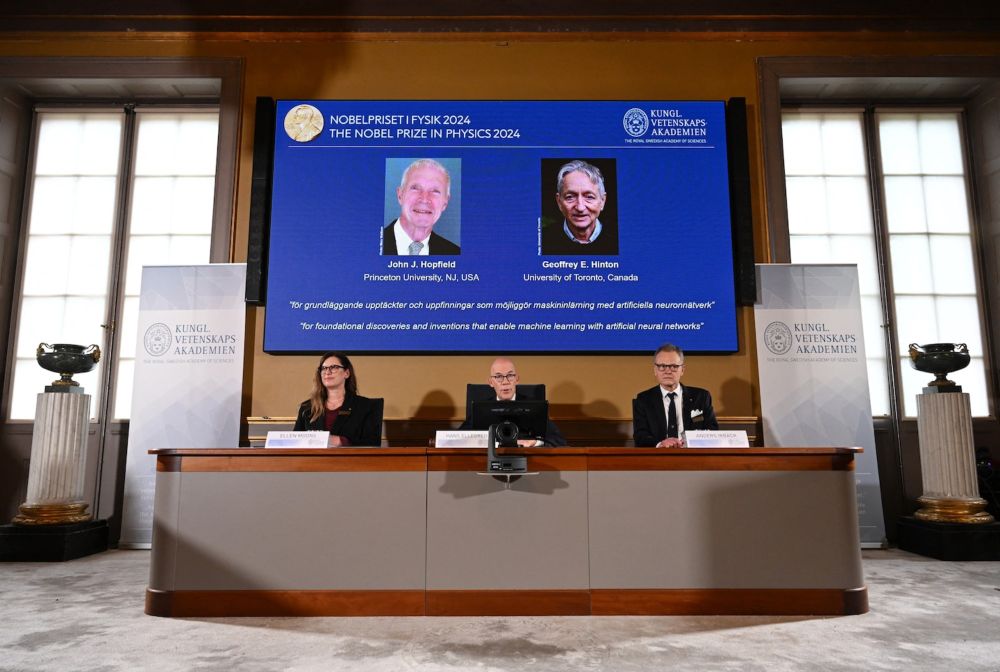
503,379
423,195
662,414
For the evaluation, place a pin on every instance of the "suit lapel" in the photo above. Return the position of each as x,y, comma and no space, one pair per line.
659,411
343,417
389,241
686,396
317,424
690,404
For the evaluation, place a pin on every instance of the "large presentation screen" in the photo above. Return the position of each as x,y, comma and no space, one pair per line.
499,226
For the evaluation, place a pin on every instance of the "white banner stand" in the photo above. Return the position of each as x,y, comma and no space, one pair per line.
813,374
188,379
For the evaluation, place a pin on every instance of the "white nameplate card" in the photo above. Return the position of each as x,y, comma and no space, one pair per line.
714,438
297,440
460,438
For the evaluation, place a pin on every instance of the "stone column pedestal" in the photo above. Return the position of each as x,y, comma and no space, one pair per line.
948,460
58,460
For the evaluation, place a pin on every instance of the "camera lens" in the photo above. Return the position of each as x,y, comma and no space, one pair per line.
506,433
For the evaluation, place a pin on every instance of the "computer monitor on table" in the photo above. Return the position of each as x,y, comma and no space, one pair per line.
529,417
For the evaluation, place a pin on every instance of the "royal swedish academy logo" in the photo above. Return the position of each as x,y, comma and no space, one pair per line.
636,122
778,338
157,339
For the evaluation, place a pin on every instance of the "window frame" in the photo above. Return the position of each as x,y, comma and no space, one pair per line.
874,188
975,236
17,297
214,81
119,241
870,110
111,388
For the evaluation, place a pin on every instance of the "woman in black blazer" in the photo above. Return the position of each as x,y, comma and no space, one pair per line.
336,407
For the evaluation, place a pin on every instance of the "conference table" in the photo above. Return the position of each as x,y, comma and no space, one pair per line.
413,531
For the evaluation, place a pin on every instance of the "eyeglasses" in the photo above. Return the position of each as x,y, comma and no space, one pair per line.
504,377
668,367
332,368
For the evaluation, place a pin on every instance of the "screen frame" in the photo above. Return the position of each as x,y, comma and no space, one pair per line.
740,220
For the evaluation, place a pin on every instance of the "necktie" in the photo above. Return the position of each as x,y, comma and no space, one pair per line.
415,247
672,417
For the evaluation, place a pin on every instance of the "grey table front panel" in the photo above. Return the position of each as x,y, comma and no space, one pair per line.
292,531
723,529
482,536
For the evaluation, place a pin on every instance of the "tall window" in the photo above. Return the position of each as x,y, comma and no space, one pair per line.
898,207
110,191
171,214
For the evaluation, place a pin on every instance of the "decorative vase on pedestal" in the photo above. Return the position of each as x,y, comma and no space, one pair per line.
944,425
59,441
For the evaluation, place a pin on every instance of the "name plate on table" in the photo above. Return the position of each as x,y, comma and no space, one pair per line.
458,438
714,438
312,439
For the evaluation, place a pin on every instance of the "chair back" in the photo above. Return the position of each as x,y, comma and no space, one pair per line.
379,407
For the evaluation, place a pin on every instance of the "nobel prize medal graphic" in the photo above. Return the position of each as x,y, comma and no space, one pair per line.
303,123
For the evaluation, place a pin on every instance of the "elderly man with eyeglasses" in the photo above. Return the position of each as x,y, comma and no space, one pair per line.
503,379
662,414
